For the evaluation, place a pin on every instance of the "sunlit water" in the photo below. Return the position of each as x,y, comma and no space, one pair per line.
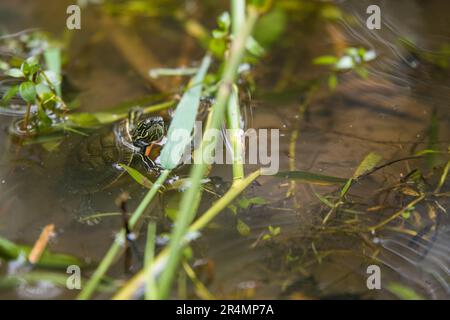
389,113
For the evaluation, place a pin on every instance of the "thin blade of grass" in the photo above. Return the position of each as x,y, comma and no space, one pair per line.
53,60
150,288
310,177
234,127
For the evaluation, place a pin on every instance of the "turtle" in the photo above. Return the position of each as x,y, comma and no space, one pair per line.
94,163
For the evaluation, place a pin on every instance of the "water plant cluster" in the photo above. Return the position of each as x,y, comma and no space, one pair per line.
32,85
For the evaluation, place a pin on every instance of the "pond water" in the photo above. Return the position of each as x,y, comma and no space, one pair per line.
321,130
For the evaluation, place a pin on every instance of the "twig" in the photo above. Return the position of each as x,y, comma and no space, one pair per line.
397,214
41,244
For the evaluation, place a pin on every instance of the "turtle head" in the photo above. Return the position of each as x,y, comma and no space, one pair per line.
147,131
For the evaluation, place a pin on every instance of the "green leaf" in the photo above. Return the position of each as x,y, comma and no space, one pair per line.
261,5
4,66
51,145
217,47
219,34
346,187
403,292
245,203
10,93
224,21
179,134
42,90
254,47
233,209
27,91
44,119
29,68
137,176
312,178
331,12
332,81
362,72
15,73
369,162
267,236
84,120
274,231
324,200
107,117
171,206
242,228
270,27
325,60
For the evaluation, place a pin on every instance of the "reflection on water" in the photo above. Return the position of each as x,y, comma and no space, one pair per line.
389,113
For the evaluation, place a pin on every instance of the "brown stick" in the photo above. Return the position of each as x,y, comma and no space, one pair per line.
40,245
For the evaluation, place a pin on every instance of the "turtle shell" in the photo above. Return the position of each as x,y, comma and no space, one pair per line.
93,164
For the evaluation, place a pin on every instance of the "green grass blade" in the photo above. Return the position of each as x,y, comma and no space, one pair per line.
184,119
150,289
53,60
137,176
311,178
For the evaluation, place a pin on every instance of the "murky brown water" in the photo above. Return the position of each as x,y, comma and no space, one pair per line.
389,113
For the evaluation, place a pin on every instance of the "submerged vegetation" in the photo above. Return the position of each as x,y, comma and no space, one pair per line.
360,213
